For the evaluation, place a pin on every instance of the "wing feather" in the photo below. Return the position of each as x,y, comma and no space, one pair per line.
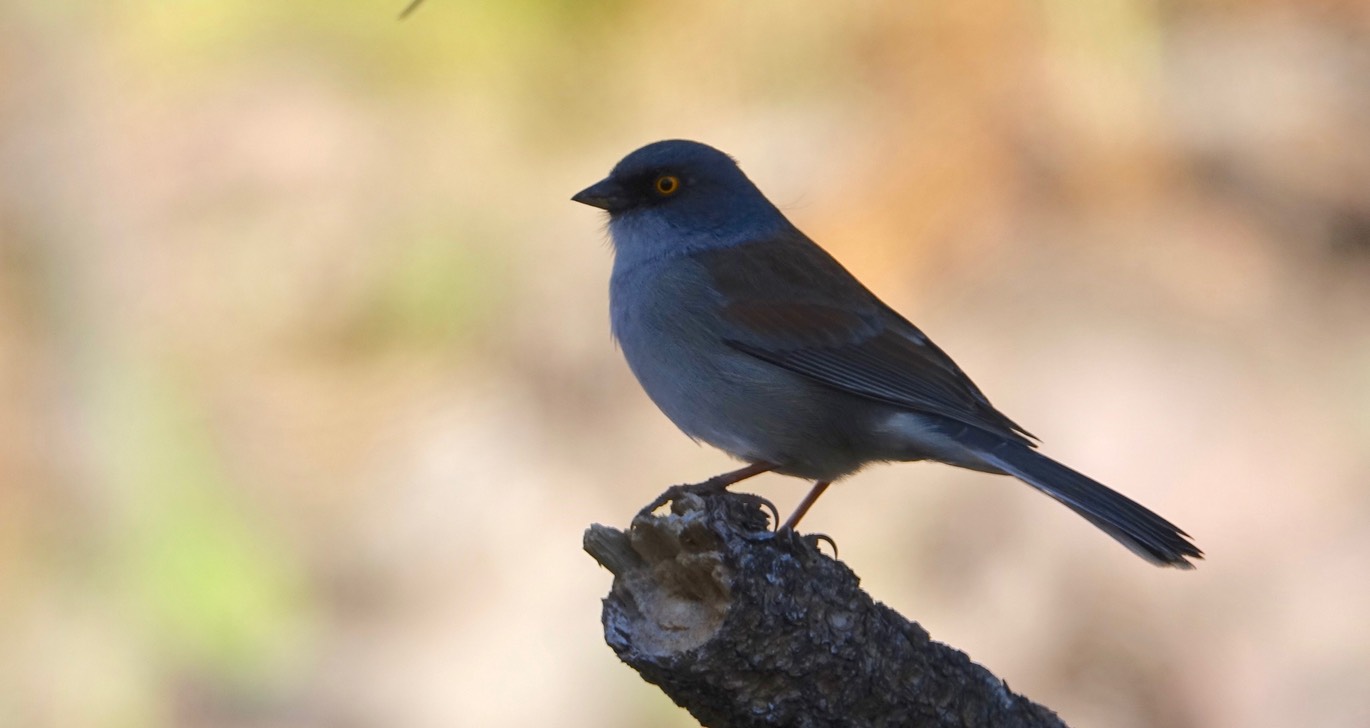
787,302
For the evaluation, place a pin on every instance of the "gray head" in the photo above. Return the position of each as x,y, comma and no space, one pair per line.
682,194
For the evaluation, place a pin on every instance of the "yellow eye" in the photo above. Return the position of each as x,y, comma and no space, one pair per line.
667,185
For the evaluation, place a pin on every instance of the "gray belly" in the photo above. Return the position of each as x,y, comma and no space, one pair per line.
746,407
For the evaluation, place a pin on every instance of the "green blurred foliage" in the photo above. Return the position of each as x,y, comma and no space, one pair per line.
212,581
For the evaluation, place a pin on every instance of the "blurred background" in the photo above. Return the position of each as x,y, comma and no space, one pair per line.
309,392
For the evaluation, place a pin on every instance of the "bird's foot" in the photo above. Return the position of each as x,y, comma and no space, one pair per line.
712,487
675,492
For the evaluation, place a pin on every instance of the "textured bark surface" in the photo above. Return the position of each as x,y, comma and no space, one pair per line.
743,627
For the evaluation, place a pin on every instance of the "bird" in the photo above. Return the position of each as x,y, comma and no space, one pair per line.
751,338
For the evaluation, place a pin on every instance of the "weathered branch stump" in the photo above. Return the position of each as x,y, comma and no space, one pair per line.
744,627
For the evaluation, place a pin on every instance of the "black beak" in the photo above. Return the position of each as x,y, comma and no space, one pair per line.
605,194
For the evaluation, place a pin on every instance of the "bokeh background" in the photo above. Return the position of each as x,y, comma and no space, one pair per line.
308,391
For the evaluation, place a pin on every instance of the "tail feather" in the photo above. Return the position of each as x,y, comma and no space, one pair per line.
1146,534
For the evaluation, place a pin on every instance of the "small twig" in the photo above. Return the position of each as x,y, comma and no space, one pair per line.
413,5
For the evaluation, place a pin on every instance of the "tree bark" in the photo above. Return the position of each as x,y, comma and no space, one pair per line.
745,627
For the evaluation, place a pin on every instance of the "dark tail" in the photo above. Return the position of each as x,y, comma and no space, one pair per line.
1145,533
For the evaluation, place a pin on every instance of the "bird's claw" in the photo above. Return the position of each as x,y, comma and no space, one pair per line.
810,539
759,501
814,538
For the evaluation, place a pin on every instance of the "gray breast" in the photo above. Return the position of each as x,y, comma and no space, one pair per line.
667,322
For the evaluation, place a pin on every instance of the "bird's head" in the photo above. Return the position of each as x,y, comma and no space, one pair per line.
680,193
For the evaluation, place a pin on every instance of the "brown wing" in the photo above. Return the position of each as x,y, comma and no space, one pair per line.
789,303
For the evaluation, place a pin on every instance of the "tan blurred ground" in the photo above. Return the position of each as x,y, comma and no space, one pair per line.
308,389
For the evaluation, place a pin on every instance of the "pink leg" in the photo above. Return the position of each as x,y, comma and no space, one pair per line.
739,475
805,504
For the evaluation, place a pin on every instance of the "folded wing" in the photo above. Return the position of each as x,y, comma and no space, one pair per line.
791,304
